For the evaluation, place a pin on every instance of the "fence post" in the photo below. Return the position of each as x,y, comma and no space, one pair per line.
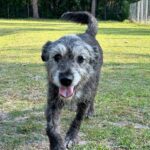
146,11
138,11
142,1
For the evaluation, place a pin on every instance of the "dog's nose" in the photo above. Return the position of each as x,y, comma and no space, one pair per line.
65,81
65,78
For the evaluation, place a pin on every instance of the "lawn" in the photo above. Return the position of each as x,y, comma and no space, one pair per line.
122,116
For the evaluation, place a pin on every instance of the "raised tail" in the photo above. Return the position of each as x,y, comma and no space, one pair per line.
83,17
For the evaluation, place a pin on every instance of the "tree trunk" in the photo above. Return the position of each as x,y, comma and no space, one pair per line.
93,7
141,10
35,8
105,11
8,10
138,11
28,9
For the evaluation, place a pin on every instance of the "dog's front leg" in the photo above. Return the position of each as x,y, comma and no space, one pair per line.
90,110
52,115
71,136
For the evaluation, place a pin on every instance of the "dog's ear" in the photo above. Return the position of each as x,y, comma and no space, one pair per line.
96,52
45,51
94,60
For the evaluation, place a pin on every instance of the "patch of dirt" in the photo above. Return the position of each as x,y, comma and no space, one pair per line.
34,94
37,78
9,94
127,123
140,126
83,142
43,145
3,115
81,134
21,119
108,143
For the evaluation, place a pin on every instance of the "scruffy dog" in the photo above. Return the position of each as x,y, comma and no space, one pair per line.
73,65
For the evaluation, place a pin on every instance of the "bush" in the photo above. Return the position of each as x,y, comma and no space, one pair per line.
124,10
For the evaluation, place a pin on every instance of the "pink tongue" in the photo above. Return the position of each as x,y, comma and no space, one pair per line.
66,91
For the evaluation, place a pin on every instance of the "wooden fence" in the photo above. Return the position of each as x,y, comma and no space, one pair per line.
140,11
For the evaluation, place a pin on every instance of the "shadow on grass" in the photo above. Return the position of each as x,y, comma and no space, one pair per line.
127,65
59,27
4,32
135,47
33,67
129,55
29,24
125,31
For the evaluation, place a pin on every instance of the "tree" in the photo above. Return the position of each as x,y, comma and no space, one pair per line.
35,8
93,7
104,9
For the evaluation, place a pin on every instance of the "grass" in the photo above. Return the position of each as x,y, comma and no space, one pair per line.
122,117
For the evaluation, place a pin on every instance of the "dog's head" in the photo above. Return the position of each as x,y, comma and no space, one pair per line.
70,63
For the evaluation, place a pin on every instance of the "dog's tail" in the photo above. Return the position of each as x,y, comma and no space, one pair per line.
83,17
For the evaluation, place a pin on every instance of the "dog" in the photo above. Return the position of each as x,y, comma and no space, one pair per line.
73,65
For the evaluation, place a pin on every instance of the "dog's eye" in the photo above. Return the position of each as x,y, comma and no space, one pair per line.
80,59
57,57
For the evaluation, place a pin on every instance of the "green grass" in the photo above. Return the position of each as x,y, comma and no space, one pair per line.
122,117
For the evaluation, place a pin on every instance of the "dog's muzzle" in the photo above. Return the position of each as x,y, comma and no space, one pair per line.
66,89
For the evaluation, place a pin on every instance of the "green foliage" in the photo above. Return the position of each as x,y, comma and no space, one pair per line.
14,8
106,9
114,9
124,10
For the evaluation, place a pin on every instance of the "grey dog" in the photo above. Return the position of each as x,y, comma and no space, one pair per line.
73,64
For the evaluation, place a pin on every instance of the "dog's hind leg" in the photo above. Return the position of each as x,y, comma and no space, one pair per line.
71,136
52,115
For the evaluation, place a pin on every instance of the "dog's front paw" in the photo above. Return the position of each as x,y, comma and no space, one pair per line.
69,142
57,146
89,115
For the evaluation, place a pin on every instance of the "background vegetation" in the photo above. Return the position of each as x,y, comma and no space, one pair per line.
122,117
105,9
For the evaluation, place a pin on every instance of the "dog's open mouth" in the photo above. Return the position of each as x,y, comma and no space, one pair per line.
66,92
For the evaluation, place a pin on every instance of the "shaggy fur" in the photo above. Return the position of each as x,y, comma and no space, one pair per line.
73,65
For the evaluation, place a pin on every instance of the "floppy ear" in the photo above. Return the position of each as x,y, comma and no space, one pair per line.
94,60
45,51
96,52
